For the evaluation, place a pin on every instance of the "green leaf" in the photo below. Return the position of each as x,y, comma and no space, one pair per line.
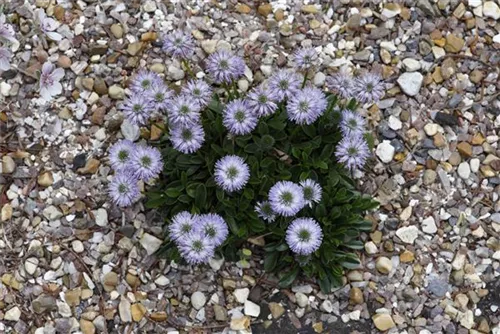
201,196
270,261
325,285
289,277
172,192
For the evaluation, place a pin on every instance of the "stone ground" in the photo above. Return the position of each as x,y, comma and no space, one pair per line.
72,262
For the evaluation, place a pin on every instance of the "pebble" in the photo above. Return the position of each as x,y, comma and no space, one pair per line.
410,82
124,310
241,295
198,300
101,217
116,92
429,225
6,212
251,309
277,310
385,151
326,306
407,234
356,296
301,299
411,65
464,170
384,265
383,321
31,264
150,243
371,248
14,314
491,10
8,165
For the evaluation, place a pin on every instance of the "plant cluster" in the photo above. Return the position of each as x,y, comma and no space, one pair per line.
273,164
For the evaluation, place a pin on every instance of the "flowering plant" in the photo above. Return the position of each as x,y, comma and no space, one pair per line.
273,167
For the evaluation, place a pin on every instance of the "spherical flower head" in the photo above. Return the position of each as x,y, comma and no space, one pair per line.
187,139
213,227
304,236
182,225
312,191
199,91
120,154
262,101
368,88
231,173
305,59
159,95
179,44
352,151
341,84
137,108
183,111
286,198
196,248
238,118
285,84
146,162
123,189
224,67
352,124
144,81
265,211
306,106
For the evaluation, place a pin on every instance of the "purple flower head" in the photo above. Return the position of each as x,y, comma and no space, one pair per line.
123,189
286,198
352,124
312,191
368,88
137,108
144,81
4,59
146,162
261,101
304,236
285,84
159,95
305,59
238,118
6,31
49,81
213,227
182,224
120,154
341,84
183,111
48,25
199,91
231,173
224,67
196,248
306,106
265,211
187,139
352,151
179,44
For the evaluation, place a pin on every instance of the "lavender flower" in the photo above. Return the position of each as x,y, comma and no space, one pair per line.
224,67
120,153
312,191
352,124
145,163
199,91
284,84
195,248
144,81
4,59
49,81
368,88
182,225
159,95
213,227
341,84
231,173
306,106
123,189
6,31
187,139
238,118
265,211
304,236
178,44
261,101
352,151
305,59
183,111
286,198
137,108
48,25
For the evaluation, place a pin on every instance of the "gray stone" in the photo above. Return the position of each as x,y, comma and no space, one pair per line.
410,82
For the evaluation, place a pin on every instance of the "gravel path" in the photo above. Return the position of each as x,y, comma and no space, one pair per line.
72,262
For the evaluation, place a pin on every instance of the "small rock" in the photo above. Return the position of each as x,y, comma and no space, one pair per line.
198,300
429,225
411,65
491,9
45,179
240,324
356,296
220,313
31,264
150,243
410,82
407,234
301,299
431,129
90,167
429,176
241,295
101,217
116,92
175,73
276,309
138,311
371,248
465,149
124,310
251,309
7,212
454,43
110,281
134,48
384,265
446,119
265,9
14,314
383,321
8,165
310,9
117,30
243,9
464,170
385,151
87,326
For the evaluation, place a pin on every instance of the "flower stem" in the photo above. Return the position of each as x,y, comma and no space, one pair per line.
185,63
235,88
229,95
305,80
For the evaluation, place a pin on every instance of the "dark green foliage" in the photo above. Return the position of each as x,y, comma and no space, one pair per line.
277,150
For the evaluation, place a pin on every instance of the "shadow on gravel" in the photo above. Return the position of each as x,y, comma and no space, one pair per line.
493,298
286,327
